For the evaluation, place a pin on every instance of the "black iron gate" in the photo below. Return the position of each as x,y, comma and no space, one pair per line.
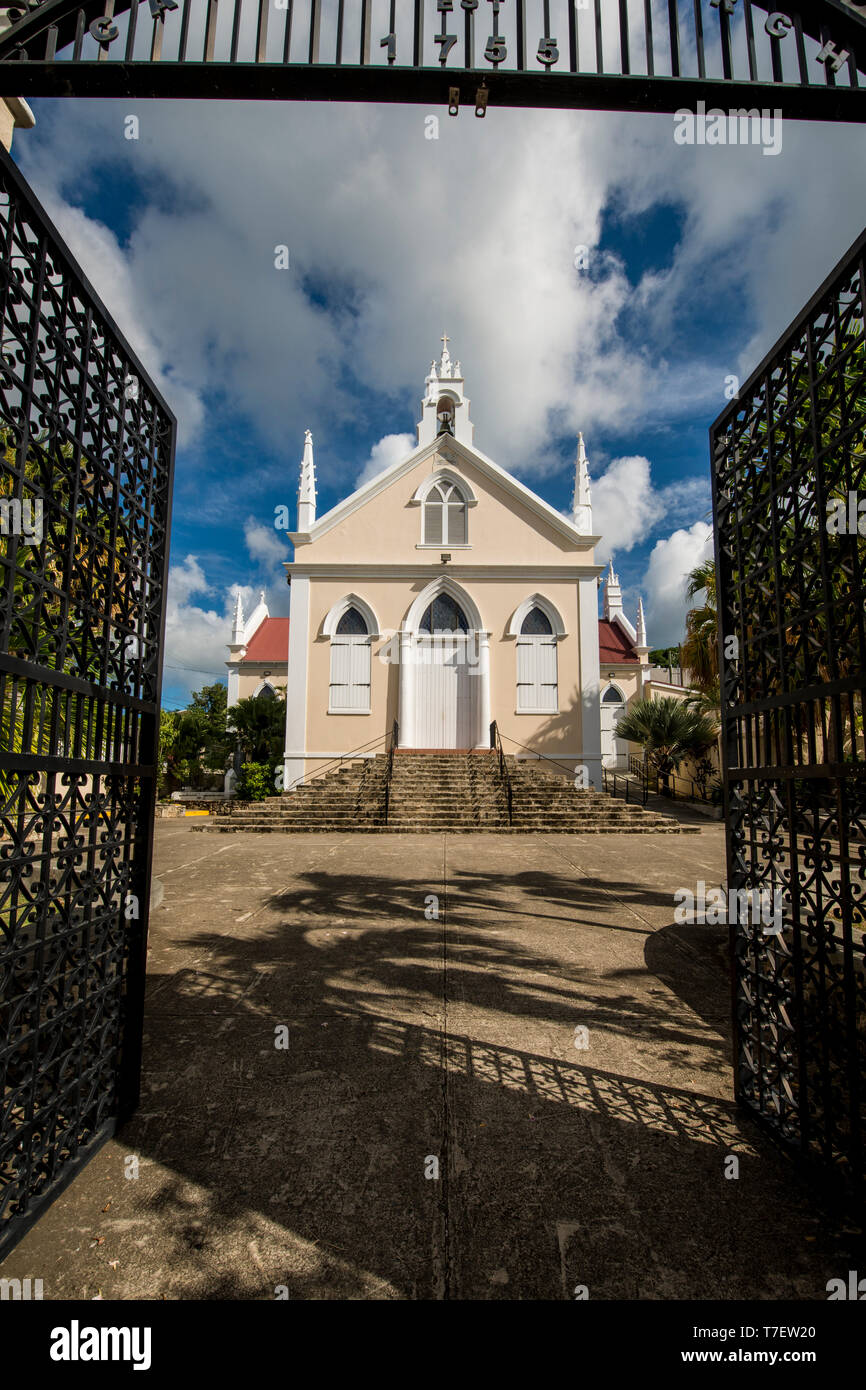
86,459
789,496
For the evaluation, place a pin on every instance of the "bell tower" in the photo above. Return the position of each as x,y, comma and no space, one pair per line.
445,408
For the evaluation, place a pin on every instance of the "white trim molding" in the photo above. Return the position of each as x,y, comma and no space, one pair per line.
442,584
459,453
441,471
342,606
590,679
296,692
475,574
549,609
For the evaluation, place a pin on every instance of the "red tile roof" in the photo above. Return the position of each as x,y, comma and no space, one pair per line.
613,644
270,641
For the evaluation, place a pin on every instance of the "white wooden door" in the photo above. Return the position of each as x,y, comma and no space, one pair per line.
447,692
614,751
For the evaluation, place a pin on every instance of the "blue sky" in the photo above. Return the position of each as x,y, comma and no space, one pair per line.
698,258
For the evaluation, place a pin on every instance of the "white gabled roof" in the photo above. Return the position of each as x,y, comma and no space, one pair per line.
529,499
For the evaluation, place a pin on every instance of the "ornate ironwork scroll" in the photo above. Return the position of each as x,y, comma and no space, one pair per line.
789,494
806,59
86,458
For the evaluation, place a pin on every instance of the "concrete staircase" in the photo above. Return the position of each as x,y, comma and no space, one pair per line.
443,791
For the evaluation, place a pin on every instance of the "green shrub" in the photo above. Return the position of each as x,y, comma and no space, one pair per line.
255,782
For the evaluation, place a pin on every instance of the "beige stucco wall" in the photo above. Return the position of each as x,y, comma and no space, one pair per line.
388,529
554,735
251,675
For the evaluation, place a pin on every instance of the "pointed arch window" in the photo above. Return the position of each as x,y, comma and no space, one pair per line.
537,680
444,614
349,690
445,513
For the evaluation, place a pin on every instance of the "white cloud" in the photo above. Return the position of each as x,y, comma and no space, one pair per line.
197,635
670,563
264,544
381,258
391,449
104,263
186,578
625,505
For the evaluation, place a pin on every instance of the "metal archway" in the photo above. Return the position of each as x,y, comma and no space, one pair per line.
806,60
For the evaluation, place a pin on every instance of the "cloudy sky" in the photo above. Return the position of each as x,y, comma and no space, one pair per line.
696,259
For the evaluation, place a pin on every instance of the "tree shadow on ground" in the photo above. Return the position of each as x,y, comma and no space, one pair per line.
551,1173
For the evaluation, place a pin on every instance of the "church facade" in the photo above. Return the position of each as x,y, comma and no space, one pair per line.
441,596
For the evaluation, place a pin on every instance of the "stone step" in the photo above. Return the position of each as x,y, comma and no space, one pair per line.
671,828
436,792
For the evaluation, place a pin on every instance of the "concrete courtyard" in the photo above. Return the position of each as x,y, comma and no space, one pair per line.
418,1041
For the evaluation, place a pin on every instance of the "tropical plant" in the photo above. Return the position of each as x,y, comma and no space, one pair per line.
700,650
194,742
668,731
260,726
255,782
665,656
706,702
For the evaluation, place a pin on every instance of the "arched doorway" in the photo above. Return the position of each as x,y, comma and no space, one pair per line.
614,751
444,671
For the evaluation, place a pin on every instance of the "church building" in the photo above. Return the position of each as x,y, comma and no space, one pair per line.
439,597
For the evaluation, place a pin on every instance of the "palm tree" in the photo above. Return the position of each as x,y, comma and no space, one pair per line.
668,731
700,651
706,702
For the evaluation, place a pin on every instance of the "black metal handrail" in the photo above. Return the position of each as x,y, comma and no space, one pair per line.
339,760
496,744
661,785
395,730
637,765
610,781
542,757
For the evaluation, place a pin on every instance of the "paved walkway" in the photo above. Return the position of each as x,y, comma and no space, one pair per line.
413,1039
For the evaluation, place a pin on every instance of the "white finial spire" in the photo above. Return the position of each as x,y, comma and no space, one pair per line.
641,624
238,623
612,595
641,645
581,506
307,488
445,363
